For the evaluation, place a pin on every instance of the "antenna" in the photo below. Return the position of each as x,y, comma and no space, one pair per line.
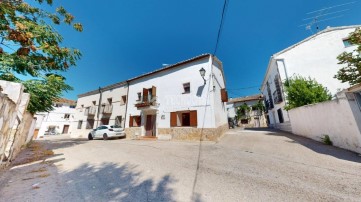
324,14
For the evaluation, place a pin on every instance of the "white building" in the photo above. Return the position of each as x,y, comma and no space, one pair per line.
57,121
314,57
175,102
252,118
103,106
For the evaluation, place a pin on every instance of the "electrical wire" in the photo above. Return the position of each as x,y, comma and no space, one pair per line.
221,25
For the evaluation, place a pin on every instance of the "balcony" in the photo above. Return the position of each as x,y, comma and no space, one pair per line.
90,111
107,109
147,102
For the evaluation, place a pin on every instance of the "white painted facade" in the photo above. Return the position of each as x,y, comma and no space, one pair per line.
205,99
89,115
58,120
314,57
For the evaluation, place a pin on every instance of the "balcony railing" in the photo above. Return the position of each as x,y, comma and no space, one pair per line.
90,111
107,109
277,97
146,101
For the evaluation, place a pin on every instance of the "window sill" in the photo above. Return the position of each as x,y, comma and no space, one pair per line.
186,93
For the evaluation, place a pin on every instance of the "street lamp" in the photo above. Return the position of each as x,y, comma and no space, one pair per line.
202,71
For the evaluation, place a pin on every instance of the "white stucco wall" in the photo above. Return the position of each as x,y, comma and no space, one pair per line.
170,95
119,108
220,108
315,58
337,118
56,118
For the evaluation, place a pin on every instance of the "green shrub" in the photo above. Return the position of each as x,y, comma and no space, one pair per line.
327,140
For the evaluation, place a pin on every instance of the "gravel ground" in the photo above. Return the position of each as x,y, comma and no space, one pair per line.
245,165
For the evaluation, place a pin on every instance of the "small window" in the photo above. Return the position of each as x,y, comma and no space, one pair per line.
89,124
66,116
94,103
124,99
118,120
80,123
135,121
139,96
347,43
110,101
187,88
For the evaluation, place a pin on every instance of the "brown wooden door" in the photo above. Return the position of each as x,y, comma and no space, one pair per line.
150,125
65,129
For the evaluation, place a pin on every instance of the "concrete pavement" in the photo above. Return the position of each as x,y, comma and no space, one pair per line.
245,165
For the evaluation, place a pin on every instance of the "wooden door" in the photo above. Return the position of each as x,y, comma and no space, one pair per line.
150,125
65,129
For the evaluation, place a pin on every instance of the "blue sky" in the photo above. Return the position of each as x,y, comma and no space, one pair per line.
122,39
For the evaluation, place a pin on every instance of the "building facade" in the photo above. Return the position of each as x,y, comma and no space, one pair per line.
314,57
104,106
253,117
57,121
176,102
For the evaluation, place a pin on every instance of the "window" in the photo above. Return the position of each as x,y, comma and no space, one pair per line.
58,105
79,124
110,101
280,115
347,43
183,119
89,124
66,116
187,88
139,96
104,121
134,121
94,103
123,100
118,120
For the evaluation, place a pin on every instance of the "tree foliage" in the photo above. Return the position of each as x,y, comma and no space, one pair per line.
351,73
30,46
304,91
243,110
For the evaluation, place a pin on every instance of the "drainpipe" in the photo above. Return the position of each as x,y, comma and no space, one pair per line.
126,104
99,105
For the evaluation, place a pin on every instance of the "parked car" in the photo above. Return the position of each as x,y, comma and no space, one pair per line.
106,131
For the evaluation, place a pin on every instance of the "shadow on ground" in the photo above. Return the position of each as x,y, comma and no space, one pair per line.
313,145
111,182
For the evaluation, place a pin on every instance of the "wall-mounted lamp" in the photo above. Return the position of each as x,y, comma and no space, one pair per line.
202,71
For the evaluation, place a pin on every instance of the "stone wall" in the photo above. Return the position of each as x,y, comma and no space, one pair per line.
15,122
183,133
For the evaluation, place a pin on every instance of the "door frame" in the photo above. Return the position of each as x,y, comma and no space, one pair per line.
150,130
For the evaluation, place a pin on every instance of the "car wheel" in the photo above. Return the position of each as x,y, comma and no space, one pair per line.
90,137
105,136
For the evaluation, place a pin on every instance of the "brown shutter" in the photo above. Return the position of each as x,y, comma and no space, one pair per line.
173,119
145,95
224,95
130,121
154,91
193,118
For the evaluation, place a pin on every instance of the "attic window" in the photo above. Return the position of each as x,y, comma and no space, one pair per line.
347,43
187,88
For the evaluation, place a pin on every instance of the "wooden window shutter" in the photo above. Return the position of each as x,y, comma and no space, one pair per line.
145,95
173,119
224,95
193,118
154,91
130,121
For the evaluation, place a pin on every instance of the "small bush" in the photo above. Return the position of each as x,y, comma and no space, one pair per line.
327,140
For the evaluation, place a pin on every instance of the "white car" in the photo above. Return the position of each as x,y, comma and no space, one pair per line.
106,131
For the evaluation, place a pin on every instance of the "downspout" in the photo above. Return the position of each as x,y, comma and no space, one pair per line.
126,104
99,105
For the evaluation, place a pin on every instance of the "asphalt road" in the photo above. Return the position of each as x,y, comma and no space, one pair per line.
245,165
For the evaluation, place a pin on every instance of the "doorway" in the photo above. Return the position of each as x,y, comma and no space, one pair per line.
150,125
65,129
